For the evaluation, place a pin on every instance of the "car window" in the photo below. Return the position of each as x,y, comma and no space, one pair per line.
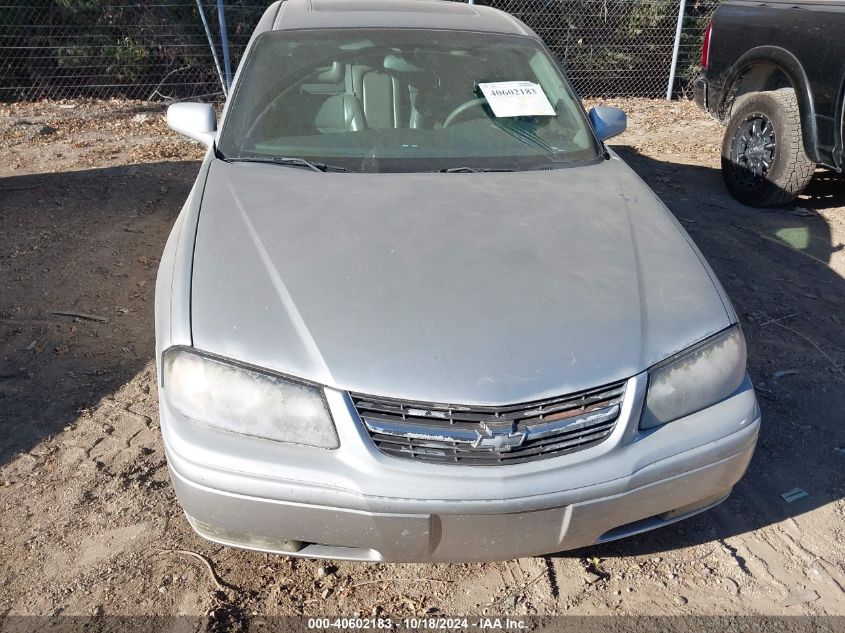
405,100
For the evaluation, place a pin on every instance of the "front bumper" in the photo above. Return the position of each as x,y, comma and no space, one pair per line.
356,503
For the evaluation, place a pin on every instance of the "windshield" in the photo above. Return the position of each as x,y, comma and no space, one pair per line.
379,100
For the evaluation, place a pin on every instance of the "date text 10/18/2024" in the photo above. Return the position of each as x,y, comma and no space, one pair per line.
430,624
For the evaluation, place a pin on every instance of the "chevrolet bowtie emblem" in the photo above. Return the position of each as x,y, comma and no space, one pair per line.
498,438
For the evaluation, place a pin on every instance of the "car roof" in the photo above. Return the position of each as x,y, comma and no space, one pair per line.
410,14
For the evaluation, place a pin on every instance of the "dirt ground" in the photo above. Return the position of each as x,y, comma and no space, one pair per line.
90,525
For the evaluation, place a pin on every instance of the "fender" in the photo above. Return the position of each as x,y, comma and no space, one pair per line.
792,68
839,147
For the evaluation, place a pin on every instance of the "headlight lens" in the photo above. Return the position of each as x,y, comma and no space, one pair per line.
696,378
226,396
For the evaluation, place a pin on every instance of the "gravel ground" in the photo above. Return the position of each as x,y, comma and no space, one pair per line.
88,193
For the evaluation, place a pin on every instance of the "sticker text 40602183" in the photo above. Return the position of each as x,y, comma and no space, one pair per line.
516,98
513,92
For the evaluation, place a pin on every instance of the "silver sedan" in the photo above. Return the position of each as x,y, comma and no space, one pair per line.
414,309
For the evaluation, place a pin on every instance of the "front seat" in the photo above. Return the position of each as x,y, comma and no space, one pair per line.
340,113
386,99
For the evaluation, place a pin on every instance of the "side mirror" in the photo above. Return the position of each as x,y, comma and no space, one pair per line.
194,120
608,122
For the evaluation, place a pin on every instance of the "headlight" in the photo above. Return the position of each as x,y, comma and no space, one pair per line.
226,396
696,378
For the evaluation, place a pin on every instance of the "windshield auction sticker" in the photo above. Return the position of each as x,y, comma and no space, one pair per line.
517,98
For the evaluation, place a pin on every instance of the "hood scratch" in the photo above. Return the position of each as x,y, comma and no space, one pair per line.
284,295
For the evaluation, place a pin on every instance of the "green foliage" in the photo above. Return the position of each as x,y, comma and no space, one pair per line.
124,59
58,48
647,15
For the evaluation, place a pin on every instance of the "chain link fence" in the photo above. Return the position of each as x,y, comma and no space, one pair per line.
159,49
618,48
153,49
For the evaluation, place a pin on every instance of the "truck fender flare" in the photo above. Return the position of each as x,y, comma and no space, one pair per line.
839,132
792,68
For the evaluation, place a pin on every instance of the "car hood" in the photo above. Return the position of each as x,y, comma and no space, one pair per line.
485,288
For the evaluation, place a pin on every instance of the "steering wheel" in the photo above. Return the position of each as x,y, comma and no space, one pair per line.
466,105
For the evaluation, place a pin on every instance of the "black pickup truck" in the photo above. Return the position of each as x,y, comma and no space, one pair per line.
774,74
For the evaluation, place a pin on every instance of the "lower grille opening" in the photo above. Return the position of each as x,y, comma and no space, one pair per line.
664,518
490,436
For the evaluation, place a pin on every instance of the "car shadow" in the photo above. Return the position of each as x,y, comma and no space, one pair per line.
775,266
83,243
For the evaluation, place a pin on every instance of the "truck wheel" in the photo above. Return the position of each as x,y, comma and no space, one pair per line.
763,158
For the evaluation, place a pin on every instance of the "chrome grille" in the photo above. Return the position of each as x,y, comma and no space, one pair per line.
490,436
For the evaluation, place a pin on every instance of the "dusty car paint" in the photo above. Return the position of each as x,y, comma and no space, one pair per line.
490,289
473,289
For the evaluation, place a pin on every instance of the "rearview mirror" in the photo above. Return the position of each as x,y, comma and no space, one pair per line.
194,120
608,122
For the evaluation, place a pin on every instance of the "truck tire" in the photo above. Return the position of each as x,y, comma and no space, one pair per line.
763,159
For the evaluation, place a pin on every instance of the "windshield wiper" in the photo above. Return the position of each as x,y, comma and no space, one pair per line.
289,161
523,134
469,170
